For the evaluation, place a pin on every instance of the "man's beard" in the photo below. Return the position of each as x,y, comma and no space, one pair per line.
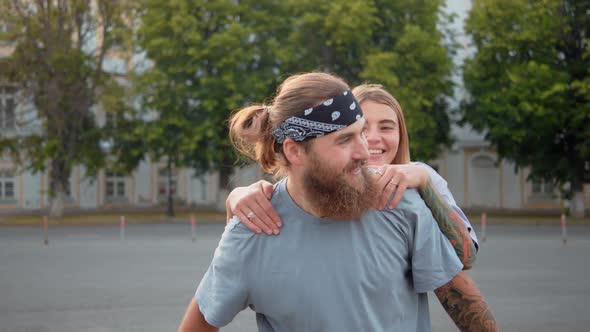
331,194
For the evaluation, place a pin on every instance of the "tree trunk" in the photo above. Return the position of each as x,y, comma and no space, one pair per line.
577,204
170,210
59,178
56,204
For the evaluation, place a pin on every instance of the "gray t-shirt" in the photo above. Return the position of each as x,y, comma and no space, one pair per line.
322,275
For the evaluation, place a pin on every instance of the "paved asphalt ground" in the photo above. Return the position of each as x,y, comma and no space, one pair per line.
88,279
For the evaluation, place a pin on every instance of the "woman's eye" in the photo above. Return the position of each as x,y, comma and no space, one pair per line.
387,128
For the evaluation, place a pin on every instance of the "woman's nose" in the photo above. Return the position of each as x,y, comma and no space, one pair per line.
371,135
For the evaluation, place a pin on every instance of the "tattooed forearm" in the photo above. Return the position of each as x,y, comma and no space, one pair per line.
451,225
465,305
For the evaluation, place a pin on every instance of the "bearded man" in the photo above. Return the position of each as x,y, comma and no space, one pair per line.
337,265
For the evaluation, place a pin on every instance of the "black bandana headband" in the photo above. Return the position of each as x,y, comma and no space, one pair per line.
332,115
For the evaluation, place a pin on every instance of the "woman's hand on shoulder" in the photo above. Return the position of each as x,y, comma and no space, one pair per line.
252,205
397,178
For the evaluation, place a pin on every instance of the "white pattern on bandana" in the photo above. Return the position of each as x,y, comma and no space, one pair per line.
298,129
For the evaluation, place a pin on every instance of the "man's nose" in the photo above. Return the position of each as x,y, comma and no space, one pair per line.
361,151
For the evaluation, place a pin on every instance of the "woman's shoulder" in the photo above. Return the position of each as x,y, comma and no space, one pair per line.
432,173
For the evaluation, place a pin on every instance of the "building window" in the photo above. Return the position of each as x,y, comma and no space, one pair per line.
7,108
4,27
115,186
6,186
163,187
483,161
542,188
68,190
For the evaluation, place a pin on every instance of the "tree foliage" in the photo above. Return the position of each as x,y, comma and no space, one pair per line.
208,58
60,48
212,57
528,83
396,43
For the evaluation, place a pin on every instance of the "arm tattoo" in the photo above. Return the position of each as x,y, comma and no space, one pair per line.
451,225
465,305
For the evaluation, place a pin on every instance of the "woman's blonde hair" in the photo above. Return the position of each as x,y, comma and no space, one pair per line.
376,93
250,128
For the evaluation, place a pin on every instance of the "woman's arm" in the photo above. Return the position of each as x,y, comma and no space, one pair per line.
440,184
393,180
451,224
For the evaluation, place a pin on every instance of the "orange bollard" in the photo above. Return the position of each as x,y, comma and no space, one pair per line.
484,226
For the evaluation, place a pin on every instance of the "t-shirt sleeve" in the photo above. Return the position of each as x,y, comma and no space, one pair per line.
222,293
434,262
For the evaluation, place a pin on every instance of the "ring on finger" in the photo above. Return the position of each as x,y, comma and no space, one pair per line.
393,183
374,171
250,215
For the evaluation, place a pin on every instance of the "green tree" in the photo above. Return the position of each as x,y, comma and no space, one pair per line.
396,43
57,64
528,85
206,59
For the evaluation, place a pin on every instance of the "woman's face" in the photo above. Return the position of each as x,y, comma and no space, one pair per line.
382,132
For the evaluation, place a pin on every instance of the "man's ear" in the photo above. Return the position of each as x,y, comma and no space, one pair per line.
293,151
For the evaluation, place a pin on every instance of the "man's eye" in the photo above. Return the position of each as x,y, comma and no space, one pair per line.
344,140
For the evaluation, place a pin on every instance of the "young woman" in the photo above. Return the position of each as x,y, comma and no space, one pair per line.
390,158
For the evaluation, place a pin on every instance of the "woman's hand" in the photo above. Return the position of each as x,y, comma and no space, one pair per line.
398,178
252,205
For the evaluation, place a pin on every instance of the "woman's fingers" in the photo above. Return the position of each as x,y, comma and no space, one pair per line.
399,193
267,188
261,217
255,214
387,193
397,179
270,212
382,184
387,184
259,211
244,219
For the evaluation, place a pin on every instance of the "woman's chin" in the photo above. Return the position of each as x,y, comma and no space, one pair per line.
377,160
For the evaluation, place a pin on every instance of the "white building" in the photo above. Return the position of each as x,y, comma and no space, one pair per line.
471,167
147,186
